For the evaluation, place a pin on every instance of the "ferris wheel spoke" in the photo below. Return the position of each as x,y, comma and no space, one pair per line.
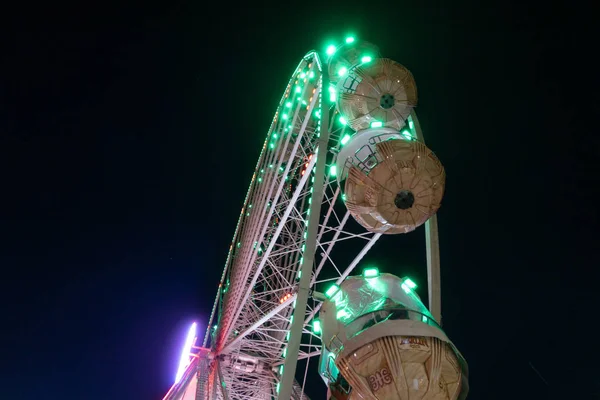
260,321
271,245
347,271
324,280
255,271
344,235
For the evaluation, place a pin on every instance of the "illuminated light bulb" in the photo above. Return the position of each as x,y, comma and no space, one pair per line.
316,326
184,360
333,289
350,39
366,59
330,50
342,71
410,283
343,121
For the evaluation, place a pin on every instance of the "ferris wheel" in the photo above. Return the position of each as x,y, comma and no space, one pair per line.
343,163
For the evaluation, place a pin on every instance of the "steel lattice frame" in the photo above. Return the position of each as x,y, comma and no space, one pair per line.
262,289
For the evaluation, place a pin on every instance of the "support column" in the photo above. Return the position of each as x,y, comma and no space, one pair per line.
293,347
434,287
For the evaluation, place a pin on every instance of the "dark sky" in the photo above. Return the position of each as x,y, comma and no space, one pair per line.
128,135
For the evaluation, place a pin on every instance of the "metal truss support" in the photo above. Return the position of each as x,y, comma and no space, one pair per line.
289,369
434,287
258,323
347,272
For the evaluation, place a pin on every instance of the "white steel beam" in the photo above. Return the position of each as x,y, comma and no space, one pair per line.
434,286
347,272
258,323
263,260
289,370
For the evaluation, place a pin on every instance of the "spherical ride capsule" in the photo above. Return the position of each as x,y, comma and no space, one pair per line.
392,184
382,340
382,91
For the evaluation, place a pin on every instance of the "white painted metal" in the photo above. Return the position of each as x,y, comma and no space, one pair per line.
434,286
306,267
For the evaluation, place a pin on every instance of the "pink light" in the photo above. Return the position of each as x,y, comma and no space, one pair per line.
185,358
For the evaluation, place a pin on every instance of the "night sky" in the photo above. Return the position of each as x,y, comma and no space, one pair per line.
129,132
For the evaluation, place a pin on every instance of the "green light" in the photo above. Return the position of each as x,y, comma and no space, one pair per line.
272,145
411,124
311,74
316,326
410,283
350,39
343,121
366,59
341,314
406,134
342,71
333,289
288,104
345,139
333,170
376,124
284,116
330,50
298,90
370,272
302,75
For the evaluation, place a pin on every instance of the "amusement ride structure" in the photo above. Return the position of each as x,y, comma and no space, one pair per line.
345,147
